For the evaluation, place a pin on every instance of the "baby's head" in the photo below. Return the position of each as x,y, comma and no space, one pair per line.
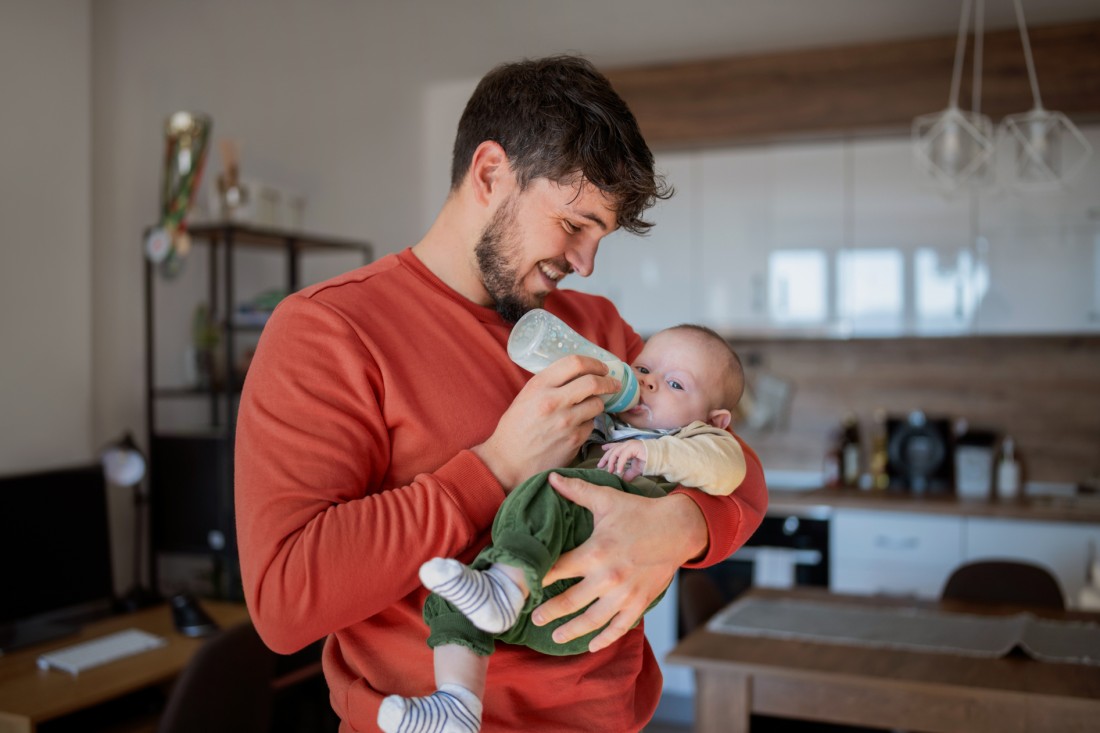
686,373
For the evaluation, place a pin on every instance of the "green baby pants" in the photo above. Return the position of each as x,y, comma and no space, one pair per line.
533,527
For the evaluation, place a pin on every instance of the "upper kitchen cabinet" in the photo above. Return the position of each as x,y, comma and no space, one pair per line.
652,278
771,221
1039,256
848,239
909,267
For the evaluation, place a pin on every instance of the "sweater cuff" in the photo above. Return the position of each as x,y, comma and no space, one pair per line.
472,487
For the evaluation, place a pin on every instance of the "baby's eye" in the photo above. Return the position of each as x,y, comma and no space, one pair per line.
674,384
642,369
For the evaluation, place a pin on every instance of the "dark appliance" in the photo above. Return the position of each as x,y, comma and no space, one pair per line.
920,453
55,554
805,531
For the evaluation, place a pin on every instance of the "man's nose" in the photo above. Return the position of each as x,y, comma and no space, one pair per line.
582,258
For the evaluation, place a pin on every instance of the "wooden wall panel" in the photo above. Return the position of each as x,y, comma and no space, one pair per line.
1044,391
869,88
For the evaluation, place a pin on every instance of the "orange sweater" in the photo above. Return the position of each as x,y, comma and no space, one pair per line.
353,468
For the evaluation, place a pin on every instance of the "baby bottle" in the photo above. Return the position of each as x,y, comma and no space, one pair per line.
540,338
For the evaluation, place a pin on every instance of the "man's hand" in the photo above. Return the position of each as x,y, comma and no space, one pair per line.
636,546
549,420
625,459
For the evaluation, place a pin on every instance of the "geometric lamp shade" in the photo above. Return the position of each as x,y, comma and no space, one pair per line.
1049,149
954,147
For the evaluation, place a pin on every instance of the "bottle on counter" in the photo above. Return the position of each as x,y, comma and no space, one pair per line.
851,451
1008,471
880,478
830,467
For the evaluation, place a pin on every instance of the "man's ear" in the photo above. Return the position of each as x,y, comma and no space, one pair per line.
720,418
488,171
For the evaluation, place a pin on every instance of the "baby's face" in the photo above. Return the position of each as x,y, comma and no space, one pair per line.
679,380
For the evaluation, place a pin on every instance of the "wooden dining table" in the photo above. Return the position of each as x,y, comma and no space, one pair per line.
738,675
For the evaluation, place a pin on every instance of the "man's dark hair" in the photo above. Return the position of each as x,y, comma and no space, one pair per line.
558,118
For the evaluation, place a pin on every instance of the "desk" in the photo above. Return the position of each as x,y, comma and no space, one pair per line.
886,688
30,697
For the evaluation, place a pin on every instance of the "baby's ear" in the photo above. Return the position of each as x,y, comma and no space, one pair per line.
720,418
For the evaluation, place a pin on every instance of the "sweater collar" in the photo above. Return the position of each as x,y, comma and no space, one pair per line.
485,314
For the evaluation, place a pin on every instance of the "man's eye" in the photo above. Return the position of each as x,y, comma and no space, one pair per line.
674,384
570,226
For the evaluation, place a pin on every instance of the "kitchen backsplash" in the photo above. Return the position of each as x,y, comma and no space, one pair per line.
1044,391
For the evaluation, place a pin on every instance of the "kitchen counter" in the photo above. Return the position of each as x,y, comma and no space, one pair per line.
1036,508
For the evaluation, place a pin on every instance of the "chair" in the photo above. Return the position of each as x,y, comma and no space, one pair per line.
225,687
700,598
1005,582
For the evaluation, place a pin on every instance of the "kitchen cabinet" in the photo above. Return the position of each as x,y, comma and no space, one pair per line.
1065,549
847,239
771,218
910,267
892,553
1039,255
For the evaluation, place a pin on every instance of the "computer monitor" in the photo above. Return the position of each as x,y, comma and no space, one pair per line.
55,553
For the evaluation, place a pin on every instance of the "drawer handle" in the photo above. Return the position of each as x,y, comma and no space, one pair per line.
896,543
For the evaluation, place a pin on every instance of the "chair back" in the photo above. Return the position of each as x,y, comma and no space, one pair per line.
226,687
1005,582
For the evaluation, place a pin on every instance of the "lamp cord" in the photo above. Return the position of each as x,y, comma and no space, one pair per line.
979,33
1027,54
960,50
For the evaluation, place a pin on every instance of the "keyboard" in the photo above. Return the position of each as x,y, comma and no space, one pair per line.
76,658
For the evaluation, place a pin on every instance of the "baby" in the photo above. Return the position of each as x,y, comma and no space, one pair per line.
689,380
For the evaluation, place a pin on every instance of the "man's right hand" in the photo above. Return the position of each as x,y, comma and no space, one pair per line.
548,421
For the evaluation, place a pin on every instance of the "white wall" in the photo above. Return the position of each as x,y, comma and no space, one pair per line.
45,235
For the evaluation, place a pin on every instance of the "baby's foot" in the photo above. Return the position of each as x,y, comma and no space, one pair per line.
489,598
450,709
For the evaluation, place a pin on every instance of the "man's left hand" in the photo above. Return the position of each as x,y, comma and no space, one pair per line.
637,544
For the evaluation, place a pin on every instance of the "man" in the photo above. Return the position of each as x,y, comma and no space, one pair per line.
382,424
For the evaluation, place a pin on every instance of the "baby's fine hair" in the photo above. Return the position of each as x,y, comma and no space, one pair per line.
734,387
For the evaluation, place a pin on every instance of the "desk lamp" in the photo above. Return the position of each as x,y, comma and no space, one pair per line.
124,465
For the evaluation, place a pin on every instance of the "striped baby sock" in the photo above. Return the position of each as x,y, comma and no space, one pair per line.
489,598
450,709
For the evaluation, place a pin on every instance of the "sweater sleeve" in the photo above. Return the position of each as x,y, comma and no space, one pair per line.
324,541
710,460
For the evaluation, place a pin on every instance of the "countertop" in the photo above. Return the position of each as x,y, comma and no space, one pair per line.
1036,508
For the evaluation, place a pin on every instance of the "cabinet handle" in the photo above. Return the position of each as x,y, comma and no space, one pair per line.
886,542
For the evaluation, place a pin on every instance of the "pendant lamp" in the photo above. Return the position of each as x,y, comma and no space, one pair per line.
953,146
1048,149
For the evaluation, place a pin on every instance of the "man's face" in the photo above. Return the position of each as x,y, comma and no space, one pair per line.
679,377
537,237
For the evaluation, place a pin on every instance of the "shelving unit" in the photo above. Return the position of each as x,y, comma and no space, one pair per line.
191,469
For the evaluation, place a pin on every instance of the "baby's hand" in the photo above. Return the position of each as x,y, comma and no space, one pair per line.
625,459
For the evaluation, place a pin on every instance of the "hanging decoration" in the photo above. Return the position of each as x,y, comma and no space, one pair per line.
1049,149
186,138
956,148
953,146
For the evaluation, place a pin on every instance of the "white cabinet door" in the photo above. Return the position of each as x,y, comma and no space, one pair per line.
1064,548
652,279
1042,255
892,553
910,266
770,219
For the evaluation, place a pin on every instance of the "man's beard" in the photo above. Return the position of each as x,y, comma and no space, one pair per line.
496,252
